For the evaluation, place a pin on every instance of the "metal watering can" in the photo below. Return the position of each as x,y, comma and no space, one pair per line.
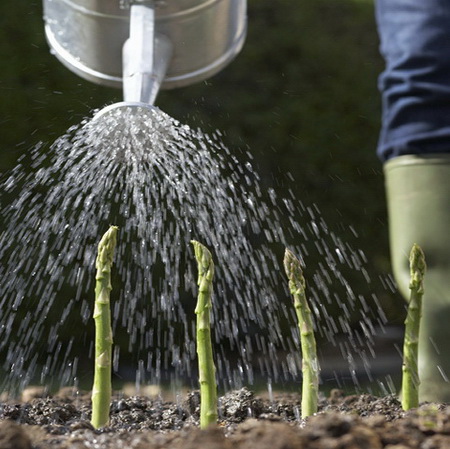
145,45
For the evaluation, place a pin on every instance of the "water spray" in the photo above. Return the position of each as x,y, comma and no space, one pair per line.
143,46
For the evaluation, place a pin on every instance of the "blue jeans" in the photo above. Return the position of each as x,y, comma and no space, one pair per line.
415,86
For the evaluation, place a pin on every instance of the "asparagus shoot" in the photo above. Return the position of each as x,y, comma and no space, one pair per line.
410,378
207,369
310,365
101,391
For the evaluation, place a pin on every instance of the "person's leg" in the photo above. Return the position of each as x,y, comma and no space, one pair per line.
415,142
415,86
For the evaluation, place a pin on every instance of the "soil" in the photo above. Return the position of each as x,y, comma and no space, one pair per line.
246,422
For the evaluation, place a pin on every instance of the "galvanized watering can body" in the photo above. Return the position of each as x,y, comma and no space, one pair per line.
87,36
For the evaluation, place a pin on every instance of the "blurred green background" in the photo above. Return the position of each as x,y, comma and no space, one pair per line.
301,98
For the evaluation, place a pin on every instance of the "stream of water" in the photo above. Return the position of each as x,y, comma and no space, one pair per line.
163,183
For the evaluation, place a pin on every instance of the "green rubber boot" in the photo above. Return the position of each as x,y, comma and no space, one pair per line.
418,196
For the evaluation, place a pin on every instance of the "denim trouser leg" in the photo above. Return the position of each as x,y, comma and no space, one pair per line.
415,86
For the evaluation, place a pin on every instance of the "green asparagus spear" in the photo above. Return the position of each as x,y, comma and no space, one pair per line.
410,379
206,367
310,365
101,391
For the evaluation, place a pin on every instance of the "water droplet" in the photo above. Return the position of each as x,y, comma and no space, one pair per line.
163,184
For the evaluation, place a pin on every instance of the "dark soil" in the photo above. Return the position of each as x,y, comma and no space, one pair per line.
247,422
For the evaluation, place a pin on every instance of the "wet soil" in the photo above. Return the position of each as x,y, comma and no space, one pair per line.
246,422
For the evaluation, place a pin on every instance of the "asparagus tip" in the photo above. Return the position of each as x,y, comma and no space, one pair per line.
293,268
204,259
417,267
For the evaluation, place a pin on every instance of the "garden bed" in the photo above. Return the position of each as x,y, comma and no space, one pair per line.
246,422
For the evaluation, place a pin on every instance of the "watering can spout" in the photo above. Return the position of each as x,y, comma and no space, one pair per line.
146,56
